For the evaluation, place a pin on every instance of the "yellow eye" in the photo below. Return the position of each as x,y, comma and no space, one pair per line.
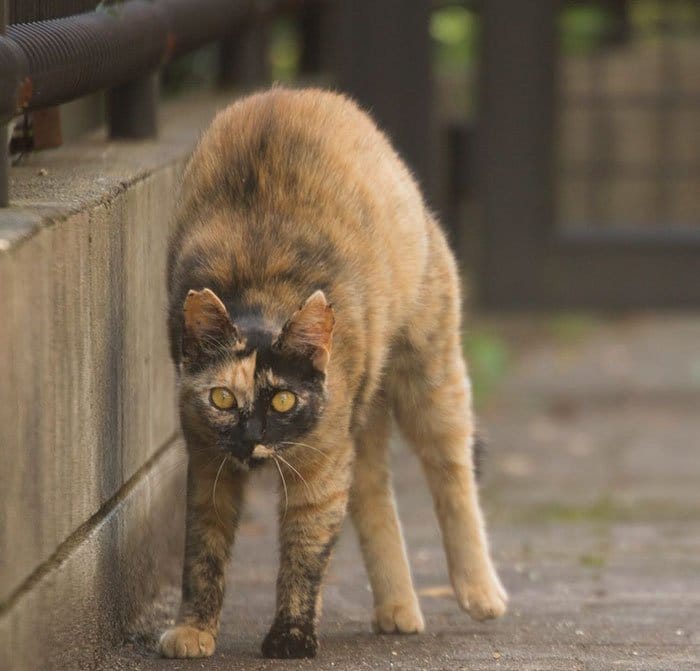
222,398
283,401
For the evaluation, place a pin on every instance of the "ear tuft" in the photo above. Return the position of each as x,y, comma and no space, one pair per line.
309,331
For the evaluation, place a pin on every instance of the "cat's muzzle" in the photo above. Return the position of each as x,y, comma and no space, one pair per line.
241,451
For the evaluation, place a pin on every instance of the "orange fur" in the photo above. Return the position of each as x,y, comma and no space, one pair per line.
296,196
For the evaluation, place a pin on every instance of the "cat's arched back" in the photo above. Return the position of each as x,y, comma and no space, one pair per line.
312,295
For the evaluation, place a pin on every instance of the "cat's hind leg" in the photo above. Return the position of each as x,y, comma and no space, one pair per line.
373,510
430,394
434,414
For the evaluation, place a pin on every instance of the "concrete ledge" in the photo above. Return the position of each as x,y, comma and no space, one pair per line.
84,350
87,395
80,602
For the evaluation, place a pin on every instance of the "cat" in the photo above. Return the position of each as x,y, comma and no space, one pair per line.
312,296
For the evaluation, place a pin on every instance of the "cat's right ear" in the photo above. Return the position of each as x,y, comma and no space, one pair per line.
207,327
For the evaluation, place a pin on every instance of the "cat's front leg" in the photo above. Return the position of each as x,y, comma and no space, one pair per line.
310,520
214,497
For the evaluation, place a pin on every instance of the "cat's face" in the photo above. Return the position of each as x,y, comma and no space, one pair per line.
250,393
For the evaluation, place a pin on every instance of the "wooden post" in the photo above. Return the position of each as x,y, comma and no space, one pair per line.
133,109
515,130
243,60
311,27
381,56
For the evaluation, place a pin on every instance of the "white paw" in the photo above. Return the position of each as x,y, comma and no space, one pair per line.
483,599
184,641
403,618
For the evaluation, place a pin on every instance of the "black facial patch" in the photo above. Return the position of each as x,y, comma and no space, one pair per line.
262,424
241,429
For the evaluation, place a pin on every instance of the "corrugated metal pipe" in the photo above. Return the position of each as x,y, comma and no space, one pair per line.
51,62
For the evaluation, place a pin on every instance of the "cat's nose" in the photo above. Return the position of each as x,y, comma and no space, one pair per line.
243,450
253,432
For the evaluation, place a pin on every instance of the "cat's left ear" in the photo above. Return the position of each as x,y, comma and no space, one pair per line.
309,331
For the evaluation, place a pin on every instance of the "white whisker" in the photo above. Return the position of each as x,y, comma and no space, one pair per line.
284,484
311,447
213,491
301,477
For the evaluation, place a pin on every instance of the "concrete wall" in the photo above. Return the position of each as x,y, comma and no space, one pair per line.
91,471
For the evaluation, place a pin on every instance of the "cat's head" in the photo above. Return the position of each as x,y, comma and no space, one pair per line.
246,390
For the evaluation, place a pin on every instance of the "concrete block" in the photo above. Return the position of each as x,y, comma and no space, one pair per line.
88,390
88,593
91,490
85,351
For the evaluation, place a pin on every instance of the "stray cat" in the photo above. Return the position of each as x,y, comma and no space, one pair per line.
312,296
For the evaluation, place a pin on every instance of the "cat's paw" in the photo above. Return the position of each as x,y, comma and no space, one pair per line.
401,618
184,641
294,642
483,599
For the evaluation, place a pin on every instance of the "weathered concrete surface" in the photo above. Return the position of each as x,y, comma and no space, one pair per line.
88,393
81,601
592,496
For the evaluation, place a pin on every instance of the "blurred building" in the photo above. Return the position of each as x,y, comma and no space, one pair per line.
582,156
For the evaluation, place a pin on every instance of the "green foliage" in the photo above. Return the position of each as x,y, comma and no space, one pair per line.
285,50
455,34
601,510
646,15
591,560
194,70
199,68
488,356
570,326
110,7
583,28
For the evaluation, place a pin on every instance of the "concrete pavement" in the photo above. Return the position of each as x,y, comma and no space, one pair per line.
592,491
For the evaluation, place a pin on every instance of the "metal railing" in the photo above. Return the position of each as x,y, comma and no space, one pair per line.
118,47
378,51
26,11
